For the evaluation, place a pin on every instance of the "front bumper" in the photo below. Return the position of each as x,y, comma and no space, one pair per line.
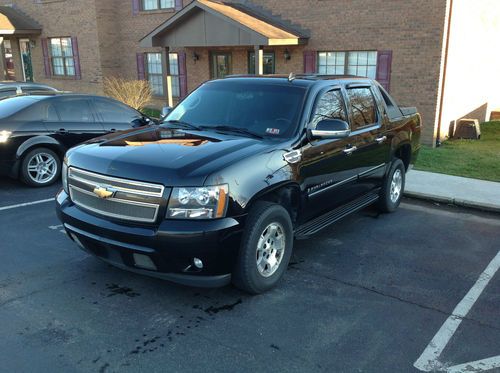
170,246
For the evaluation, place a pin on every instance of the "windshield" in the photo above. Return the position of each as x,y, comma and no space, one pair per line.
12,105
266,109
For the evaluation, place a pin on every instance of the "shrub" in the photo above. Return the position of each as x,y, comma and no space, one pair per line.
135,93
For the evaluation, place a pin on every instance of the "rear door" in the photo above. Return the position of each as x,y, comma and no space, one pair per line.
76,120
116,116
370,145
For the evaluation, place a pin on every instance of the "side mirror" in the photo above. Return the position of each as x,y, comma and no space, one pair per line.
138,122
331,129
165,111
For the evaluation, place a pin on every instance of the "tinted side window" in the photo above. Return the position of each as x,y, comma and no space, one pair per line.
115,112
363,107
73,110
7,93
43,111
330,106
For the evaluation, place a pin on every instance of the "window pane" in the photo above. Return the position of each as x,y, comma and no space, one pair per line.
363,107
331,63
330,106
372,58
352,70
362,58
176,92
173,63
150,4
58,65
66,47
70,66
371,72
156,83
55,47
167,4
74,110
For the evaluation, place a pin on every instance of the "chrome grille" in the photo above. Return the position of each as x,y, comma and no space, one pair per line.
129,200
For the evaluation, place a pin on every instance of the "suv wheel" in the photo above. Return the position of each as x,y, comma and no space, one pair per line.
40,167
393,187
265,250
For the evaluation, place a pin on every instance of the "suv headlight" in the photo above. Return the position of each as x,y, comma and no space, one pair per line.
198,203
64,177
4,136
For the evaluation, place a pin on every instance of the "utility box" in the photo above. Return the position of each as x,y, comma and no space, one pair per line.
467,129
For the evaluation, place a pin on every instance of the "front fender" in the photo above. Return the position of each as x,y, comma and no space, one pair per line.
39,140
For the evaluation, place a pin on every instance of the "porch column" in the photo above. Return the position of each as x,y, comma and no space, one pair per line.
167,81
259,60
3,68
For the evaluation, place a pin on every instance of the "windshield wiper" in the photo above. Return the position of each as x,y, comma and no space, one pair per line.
239,130
183,124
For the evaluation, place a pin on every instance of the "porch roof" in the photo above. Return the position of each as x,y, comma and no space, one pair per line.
15,22
206,23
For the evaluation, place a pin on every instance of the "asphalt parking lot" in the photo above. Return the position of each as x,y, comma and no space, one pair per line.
375,293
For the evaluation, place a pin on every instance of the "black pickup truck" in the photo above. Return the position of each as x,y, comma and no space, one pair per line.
236,172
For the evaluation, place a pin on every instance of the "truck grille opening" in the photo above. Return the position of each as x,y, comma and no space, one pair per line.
115,197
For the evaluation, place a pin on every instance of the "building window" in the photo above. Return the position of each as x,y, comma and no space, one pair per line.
155,73
61,53
360,63
173,65
157,4
269,66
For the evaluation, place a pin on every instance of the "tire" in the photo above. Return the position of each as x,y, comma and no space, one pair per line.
270,220
390,198
40,167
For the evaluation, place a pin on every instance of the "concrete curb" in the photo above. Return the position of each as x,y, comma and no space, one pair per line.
454,201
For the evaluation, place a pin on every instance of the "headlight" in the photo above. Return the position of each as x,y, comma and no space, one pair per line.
4,136
198,203
64,177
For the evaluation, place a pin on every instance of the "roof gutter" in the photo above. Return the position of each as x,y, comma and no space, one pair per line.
443,80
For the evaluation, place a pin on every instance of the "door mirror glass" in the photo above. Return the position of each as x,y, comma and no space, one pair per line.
165,111
331,129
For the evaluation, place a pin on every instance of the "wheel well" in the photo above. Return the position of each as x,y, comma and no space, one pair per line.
404,153
56,149
286,196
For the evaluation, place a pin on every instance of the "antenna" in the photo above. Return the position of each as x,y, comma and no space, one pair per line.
291,77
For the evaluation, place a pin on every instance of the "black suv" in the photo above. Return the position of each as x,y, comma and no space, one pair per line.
36,130
238,169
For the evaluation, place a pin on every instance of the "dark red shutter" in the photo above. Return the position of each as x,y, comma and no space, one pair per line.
182,74
141,72
136,6
46,57
76,58
310,62
178,4
384,62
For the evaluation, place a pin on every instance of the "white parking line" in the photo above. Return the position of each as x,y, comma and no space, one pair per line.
429,360
27,204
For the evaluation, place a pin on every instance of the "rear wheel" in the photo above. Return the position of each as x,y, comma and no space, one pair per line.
393,187
265,250
40,167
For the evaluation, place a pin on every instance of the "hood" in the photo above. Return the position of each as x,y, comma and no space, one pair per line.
171,157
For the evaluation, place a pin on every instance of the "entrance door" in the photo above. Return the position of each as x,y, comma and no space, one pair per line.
222,65
24,47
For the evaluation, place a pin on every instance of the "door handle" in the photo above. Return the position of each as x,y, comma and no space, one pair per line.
62,131
380,140
350,150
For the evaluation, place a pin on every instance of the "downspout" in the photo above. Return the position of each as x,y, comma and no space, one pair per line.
443,81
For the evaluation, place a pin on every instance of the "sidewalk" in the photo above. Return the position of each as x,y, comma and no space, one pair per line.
461,191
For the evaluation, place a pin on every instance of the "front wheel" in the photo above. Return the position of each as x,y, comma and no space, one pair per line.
265,250
393,187
40,167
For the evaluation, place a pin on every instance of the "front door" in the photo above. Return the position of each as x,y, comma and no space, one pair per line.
327,173
221,65
25,48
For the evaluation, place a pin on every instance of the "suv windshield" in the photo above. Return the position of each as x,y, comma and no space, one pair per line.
261,108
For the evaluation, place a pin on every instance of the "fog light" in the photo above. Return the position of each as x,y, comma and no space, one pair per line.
144,261
198,263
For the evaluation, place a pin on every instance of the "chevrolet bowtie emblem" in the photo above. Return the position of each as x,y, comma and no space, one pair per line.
103,192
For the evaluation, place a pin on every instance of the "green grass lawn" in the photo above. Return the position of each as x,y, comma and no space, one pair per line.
479,159
152,113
